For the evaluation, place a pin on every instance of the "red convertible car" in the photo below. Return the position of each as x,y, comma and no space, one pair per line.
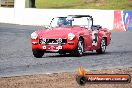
74,34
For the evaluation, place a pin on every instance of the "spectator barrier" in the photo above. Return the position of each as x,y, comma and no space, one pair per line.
122,20
117,20
27,16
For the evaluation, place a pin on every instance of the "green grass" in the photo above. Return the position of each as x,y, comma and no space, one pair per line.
83,4
57,3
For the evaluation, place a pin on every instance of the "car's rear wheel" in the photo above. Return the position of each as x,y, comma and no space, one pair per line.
80,48
102,48
38,53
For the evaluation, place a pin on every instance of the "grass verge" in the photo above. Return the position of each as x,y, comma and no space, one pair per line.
84,4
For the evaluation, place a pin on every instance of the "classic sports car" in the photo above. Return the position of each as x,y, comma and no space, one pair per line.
74,34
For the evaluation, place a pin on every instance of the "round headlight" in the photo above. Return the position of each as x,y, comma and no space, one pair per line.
71,36
34,35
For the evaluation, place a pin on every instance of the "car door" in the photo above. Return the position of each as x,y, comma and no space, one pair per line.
88,32
87,39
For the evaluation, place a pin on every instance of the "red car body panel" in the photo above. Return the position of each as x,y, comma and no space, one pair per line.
62,32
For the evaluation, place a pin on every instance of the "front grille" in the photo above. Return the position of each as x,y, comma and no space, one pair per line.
52,41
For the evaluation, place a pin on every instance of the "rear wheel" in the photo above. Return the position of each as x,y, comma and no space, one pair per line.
102,48
38,53
80,48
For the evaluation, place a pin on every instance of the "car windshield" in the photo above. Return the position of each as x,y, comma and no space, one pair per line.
60,21
67,21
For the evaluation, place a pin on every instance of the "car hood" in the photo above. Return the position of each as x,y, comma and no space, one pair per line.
57,32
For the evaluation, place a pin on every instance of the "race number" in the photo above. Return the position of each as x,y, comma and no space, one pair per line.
94,38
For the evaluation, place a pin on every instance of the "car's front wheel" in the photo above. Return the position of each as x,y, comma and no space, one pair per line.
62,53
80,48
102,48
38,53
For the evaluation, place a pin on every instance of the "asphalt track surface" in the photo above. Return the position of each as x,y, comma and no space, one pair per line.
16,56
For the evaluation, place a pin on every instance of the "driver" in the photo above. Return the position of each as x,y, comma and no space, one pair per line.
62,22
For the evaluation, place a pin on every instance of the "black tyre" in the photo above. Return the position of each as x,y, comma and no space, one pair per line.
79,49
62,53
38,53
81,80
102,48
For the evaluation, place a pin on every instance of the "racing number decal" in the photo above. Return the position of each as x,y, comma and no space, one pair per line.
94,38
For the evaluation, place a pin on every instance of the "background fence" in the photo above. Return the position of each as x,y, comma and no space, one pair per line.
44,16
117,20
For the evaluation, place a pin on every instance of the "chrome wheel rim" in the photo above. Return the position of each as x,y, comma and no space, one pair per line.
103,45
80,47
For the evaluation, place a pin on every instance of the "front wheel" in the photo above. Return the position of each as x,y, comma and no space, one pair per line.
102,48
62,53
80,48
38,53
